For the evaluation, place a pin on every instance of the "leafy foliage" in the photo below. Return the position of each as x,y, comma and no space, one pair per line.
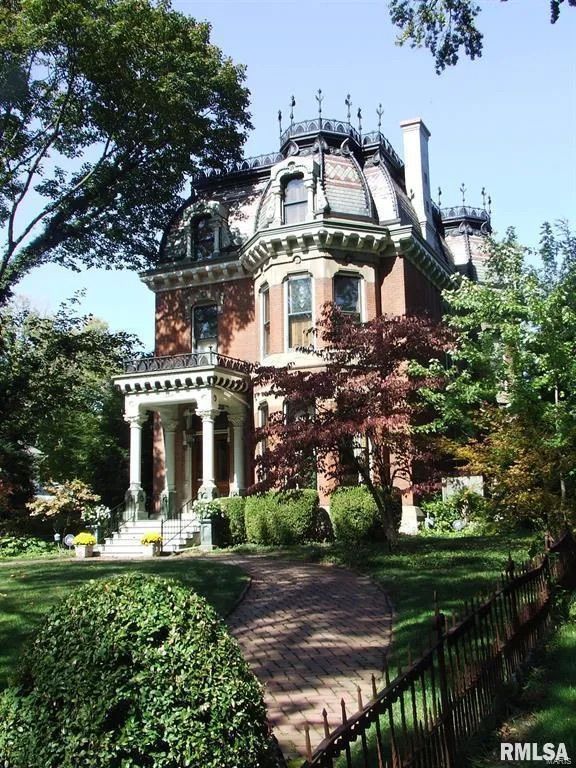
509,407
153,679
445,27
18,546
105,107
68,505
355,515
231,529
358,413
465,506
281,518
57,400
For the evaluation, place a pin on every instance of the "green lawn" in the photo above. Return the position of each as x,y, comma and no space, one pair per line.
29,589
546,709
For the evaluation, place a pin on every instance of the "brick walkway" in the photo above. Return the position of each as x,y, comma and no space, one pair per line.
311,634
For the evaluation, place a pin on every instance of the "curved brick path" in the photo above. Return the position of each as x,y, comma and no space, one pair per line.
311,633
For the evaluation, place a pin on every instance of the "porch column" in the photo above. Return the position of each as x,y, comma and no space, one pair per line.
238,484
135,498
168,495
207,490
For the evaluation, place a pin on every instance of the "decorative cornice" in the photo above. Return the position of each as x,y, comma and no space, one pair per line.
411,246
192,274
182,380
328,235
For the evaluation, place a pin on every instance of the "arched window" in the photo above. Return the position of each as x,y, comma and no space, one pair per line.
347,295
295,206
202,239
265,294
205,327
299,310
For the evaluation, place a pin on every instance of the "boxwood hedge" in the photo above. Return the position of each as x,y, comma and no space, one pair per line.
231,526
354,514
281,518
134,671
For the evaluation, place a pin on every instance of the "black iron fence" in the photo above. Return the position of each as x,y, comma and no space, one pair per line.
425,714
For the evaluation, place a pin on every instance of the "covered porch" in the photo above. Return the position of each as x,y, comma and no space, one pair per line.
201,406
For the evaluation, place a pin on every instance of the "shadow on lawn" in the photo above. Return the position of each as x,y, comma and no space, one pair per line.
28,590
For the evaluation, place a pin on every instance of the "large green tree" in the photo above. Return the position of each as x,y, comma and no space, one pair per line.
510,406
58,409
446,27
105,107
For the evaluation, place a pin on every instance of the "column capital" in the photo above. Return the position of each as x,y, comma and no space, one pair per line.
208,415
136,420
169,421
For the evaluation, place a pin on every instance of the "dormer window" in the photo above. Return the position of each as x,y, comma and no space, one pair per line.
202,239
295,201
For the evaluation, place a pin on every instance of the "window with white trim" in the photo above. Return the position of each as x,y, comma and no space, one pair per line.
205,327
347,295
295,201
299,310
265,294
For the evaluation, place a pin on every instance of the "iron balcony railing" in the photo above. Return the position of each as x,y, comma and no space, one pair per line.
464,211
209,358
375,137
325,124
241,166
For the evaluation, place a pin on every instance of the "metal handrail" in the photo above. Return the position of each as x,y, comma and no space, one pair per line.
186,360
176,519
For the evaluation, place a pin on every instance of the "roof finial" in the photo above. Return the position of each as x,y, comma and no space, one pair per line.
489,206
439,197
292,105
483,193
348,102
320,99
359,116
463,191
379,112
280,122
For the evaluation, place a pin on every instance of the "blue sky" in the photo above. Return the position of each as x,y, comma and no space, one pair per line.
506,121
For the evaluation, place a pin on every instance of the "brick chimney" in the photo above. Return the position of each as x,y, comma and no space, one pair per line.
415,137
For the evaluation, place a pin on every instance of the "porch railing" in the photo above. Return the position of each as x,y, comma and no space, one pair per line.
186,360
425,715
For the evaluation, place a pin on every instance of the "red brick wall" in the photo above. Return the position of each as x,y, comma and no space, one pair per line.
237,331
421,294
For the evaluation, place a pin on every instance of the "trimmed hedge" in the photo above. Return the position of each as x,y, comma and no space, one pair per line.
232,528
281,518
355,516
134,671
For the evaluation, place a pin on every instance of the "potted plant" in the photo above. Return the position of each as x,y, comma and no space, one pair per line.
84,544
151,544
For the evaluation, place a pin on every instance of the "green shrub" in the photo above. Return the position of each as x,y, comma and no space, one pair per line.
18,546
281,518
134,671
466,508
233,526
355,516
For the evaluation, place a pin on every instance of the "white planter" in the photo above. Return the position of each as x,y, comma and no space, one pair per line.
151,550
84,550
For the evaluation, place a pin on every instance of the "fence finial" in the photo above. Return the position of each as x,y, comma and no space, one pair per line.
308,744
343,707
326,724
359,693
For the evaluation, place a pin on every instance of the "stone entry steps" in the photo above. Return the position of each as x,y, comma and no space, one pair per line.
126,541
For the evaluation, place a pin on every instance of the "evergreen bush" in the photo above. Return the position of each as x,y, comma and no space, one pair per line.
134,671
279,518
231,527
355,516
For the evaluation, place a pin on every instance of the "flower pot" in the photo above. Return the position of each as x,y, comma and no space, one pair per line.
151,550
84,550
